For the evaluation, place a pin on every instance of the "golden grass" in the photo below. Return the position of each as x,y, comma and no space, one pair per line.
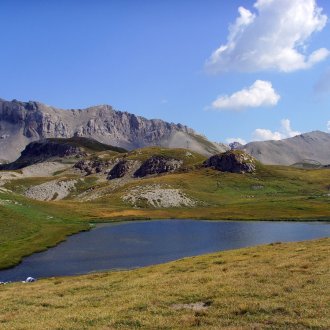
277,286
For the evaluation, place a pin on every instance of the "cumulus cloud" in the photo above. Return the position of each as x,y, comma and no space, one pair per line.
273,37
262,134
260,93
328,125
239,140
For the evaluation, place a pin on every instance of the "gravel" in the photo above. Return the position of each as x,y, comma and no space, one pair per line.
158,196
53,190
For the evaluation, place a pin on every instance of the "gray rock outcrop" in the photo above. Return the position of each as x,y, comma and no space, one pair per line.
93,166
158,165
119,170
24,122
232,161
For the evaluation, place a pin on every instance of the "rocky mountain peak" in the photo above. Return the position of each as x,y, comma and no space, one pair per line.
24,122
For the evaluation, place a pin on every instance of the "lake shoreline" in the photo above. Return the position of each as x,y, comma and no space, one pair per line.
251,285
93,222
189,224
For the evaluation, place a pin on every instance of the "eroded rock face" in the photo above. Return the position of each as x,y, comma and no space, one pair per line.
119,170
92,166
24,122
232,161
158,165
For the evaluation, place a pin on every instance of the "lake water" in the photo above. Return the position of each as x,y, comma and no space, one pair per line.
141,243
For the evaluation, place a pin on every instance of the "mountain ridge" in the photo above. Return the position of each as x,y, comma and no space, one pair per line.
25,122
313,145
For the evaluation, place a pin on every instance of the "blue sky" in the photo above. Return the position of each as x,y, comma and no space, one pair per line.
154,58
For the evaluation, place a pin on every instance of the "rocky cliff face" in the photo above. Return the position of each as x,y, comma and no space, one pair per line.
120,169
234,161
24,122
158,165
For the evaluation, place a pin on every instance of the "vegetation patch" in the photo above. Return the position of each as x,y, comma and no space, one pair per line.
254,288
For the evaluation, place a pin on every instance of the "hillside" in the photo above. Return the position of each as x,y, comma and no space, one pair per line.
46,201
57,148
309,146
25,122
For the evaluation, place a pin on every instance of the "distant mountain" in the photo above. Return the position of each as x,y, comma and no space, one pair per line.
313,146
25,122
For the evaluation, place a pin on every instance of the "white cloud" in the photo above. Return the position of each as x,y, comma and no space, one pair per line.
261,134
260,93
328,125
239,140
275,37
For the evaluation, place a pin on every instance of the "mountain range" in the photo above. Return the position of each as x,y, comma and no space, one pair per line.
25,122
307,147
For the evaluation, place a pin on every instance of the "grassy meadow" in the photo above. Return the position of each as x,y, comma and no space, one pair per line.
272,193
276,286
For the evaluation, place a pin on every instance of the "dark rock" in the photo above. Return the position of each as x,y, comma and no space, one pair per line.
157,165
42,150
234,161
119,170
92,166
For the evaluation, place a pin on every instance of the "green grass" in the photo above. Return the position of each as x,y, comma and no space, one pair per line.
273,193
189,158
277,286
87,143
28,226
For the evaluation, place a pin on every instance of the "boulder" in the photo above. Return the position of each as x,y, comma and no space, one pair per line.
92,166
234,161
158,165
119,170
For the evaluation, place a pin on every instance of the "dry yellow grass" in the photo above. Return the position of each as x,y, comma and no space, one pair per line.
277,286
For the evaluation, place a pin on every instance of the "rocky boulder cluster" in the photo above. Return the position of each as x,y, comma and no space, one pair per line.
119,170
234,161
158,165
153,165
92,166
